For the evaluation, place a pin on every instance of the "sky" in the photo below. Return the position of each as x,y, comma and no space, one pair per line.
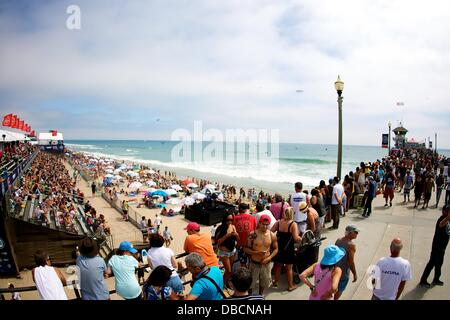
142,69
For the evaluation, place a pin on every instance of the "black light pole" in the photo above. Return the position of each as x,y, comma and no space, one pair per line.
339,86
389,124
435,144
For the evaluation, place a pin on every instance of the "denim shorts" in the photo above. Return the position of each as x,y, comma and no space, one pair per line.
343,284
222,253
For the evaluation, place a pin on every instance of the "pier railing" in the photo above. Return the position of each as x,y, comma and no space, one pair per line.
75,284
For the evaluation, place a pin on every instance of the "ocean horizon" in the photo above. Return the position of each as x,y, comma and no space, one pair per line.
308,163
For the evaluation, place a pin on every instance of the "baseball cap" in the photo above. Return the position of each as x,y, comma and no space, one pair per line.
264,218
127,246
352,228
192,226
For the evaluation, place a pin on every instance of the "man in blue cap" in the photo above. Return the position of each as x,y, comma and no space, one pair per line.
124,265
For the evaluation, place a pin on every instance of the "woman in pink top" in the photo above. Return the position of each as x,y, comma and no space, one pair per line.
326,274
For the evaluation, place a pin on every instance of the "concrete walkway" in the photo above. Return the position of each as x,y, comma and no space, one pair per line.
416,229
121,230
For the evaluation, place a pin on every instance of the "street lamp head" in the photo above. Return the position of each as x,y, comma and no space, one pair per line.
339,85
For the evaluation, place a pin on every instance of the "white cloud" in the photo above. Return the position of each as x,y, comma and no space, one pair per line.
238,63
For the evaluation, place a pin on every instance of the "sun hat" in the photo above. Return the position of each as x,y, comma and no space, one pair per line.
193,226
331,255
127,246
302,206
88,248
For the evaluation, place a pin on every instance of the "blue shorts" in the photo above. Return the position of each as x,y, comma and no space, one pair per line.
343,284
222,253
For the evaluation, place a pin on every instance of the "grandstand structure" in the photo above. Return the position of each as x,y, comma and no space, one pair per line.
23,231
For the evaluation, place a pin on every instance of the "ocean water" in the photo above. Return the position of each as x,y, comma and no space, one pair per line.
308,163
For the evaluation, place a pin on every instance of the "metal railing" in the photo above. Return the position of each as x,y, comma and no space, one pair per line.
74,284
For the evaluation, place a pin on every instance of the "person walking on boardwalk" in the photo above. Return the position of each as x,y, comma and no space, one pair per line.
428,187
440,185
418,189
336,202
389,185
93,188
125,210
371,194
407,186
440,242
390,274
347,263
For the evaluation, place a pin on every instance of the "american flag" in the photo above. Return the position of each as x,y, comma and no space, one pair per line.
400,104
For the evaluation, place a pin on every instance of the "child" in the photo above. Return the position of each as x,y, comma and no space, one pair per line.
167,236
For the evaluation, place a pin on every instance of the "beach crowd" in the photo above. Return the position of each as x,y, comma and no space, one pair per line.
244,256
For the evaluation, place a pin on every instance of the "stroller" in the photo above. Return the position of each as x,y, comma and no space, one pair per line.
307,253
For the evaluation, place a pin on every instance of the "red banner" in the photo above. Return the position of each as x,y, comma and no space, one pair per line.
54,132
20,126
13,121
32,134
7,120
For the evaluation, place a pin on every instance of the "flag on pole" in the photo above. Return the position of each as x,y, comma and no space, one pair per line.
33,134
7,120
54,133
20,126
13,121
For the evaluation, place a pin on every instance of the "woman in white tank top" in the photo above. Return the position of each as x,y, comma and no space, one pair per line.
49,281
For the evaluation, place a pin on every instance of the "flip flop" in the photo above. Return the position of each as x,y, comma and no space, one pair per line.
292,289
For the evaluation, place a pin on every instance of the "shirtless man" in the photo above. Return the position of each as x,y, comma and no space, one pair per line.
262,246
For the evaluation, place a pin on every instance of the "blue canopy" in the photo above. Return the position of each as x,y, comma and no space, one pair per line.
159,193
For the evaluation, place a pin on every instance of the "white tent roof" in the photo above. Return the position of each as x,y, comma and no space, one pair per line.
12,136
48,136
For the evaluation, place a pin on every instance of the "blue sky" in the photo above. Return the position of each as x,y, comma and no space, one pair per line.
141,69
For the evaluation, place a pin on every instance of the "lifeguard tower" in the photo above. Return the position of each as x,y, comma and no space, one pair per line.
400,136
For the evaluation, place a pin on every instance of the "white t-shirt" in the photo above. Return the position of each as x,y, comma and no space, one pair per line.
161,256
272,218
391,272
338,190
296,198
158,221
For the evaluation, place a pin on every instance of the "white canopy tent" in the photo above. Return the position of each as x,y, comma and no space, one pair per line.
46,138
12,136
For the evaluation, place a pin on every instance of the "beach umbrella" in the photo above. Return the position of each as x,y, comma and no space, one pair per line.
117,178
109,171
173,201
135,185
150,192
151,183
109,176
198,196
110,167
192,185
117,171
150,171
210,186
206,190
176,187
93,160
132,174
188,201
160,192
186,181
171,192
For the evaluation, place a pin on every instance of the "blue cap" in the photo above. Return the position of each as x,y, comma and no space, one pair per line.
331,255
127,246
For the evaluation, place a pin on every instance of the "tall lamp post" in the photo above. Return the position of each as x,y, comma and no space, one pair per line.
389,144
339,86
